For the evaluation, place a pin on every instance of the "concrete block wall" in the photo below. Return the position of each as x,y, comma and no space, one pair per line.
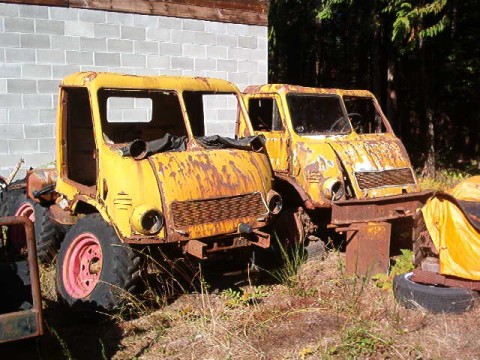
40,45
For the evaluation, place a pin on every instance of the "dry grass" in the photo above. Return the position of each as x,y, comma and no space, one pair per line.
324,315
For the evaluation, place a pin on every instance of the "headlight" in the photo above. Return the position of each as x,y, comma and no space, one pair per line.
333,189
274,202
146,220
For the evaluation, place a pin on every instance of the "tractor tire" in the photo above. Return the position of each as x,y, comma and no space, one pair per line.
95,270
435,299
47,234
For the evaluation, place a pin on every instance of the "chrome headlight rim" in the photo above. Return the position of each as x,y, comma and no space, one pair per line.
333,189
147,220
274,202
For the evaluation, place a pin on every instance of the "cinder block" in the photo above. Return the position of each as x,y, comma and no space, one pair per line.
48,116
32,11
35,41
119,19
39,131
106,31
217,52
65,42
36,71
37,101
194,73
237,29
2,24
60,71
9,10
215,27
162,62
11,131
39,159
9,40
23,116
227,65
205,64
3,116
10,101
94,68
59,13
49,27
158,34
257,78
50,56
2,56
6,170
205,38
227,40
194,51
133,60
249,42
79,57
47,145
48,86
21,86
23,146
147,21
263,43
220,128
169,22
132,33
94,16
93,44
182,63
10,70
76,28
258,31
217,74
262,67
116,45
3,147
183,37
3,86
247,66
170,49
192,24
20,25
238,78
145,71
146,47
106,59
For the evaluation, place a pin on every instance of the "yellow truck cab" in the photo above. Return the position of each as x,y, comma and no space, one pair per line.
338,166
134,167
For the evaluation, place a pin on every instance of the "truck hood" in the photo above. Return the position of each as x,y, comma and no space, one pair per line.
209,180
377,165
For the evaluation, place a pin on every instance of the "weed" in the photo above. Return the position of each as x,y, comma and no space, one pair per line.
250,295
443,179
403,264
65,350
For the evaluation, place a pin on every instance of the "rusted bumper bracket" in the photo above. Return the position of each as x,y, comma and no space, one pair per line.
432,278
366,223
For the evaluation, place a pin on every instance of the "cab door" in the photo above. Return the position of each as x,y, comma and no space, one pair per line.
266,119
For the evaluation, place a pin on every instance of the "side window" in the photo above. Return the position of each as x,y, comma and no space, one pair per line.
264,115
364,116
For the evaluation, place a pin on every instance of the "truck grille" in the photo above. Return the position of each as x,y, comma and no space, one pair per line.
374,179
188,213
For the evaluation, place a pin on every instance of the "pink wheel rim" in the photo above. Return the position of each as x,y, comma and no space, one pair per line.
19,238
26,209
82,265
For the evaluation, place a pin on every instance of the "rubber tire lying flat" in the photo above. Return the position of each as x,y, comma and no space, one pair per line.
436,299
120,267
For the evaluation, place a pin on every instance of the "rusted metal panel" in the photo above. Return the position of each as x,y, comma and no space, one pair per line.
254,12
367,251
24,324
432,278
378,209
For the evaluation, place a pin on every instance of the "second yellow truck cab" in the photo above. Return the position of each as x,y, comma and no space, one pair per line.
338,165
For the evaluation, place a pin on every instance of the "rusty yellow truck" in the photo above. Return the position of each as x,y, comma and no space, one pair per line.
134,168
339,168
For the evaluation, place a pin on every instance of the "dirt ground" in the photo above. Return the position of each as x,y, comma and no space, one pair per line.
320,314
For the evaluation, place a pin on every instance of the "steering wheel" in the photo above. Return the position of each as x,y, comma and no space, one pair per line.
356,120
345,126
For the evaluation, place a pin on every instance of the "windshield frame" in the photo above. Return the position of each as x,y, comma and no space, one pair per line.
317,95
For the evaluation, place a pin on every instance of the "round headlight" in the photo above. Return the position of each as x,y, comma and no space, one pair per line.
333,189
274,202
146,220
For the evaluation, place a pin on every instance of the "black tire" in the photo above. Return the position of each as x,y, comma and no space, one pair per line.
119,263
47,234
436,299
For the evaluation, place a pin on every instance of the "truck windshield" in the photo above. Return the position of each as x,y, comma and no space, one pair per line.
317,114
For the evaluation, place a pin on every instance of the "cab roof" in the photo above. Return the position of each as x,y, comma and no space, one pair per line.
98,80
286,88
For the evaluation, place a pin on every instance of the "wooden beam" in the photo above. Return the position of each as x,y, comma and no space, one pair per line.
253,12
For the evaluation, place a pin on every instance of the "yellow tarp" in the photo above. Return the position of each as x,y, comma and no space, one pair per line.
455,238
